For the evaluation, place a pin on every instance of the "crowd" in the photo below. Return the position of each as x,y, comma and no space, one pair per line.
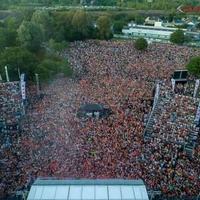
174,119
53,142
10,109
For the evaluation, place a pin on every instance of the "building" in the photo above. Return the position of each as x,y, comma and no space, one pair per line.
178,22
152,20
150,32
158,31
84,189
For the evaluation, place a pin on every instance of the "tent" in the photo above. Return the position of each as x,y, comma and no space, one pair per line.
92,107
92,110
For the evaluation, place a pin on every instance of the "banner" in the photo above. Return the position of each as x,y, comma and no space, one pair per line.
22,77
197,114
23,90
157,91
196,88
173,83
156,96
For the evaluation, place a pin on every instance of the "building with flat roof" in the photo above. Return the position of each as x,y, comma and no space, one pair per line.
107,189
157,31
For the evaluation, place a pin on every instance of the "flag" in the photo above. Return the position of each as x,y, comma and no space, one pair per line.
23,90
197,113
196,88
173,83
157,91
22,77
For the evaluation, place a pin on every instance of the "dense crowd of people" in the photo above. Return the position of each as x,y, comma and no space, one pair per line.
10,108
53,142
174,119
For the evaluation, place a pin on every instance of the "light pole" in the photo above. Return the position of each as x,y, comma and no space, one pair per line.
18,72
7,76
37,82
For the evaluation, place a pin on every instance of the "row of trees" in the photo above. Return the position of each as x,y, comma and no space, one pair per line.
24,40
66,26
137,4
24,37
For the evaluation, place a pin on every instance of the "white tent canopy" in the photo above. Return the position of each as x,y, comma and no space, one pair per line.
111,189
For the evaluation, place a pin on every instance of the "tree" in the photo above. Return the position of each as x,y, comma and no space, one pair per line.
12,22
8,32
44,19
31,36
194,66
17,58
82,23
3,40
119,16
139,19
11,30
198,26
64,29
118,26
170,17
26,13
141,44
57,47
105,3
49,67
7,38
104,27
177,37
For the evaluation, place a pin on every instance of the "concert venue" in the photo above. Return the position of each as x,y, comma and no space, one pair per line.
125,125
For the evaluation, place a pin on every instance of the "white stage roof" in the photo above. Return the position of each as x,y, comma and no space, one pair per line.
111,189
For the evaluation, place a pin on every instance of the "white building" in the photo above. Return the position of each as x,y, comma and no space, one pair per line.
157,31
